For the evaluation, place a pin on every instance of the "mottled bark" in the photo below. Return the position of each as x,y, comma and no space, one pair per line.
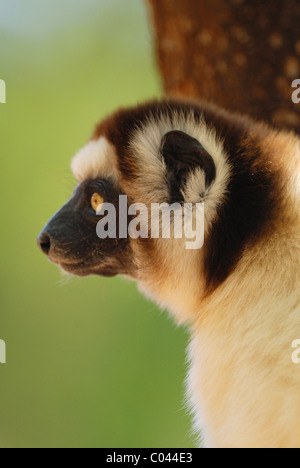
240,54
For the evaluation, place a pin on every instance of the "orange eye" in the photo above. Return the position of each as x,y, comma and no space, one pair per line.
96,201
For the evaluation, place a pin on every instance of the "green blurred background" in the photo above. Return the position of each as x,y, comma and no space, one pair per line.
90,362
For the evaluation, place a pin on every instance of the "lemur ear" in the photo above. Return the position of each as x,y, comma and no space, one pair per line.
182,153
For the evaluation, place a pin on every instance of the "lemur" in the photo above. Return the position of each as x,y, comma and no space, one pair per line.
240,293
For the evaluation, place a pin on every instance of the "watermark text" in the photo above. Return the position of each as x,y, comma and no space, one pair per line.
296,353
2,92
296,93
160,220
2,352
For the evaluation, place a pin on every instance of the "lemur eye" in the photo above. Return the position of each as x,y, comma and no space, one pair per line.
96,201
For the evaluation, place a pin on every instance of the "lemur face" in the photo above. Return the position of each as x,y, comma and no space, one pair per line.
70,237
165,152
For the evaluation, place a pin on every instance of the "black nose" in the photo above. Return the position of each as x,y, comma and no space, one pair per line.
44,241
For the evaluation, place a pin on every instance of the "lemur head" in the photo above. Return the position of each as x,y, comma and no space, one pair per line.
166,152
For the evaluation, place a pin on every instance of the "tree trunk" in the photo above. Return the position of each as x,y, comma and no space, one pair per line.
240,54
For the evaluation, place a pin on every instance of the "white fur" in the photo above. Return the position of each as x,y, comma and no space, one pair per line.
243,385
96,159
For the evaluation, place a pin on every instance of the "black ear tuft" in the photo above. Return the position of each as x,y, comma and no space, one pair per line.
182,153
